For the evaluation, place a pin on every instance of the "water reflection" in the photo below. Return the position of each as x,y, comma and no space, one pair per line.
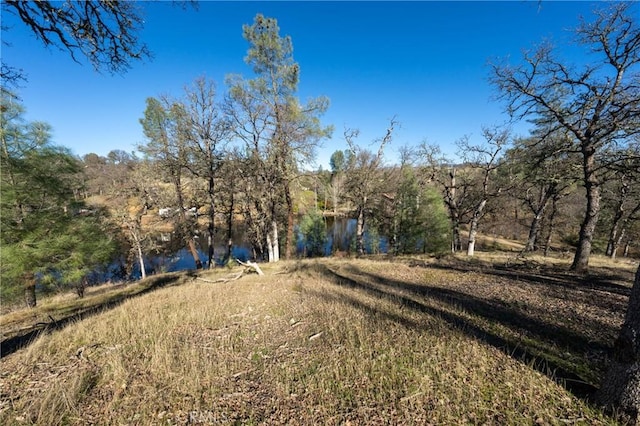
172,255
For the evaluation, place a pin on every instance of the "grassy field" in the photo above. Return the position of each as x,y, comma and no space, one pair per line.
495,340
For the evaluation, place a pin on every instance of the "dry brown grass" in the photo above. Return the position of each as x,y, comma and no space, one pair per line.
328,342
56,310
18,313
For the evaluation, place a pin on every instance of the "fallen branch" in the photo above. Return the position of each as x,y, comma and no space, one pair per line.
251,265
233,277
226,279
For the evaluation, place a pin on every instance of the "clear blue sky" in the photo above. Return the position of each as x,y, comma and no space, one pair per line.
423,62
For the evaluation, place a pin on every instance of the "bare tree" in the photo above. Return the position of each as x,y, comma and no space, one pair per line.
166,147
484,160
205,131
132,199
250,124
621,194
229,194
598,105
542,173
364,179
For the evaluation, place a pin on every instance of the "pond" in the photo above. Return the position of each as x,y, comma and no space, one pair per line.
174,256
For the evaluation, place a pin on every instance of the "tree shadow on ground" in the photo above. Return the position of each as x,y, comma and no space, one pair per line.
600,288
598,278
545,345
26,336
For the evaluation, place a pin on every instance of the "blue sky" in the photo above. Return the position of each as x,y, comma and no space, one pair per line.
423,62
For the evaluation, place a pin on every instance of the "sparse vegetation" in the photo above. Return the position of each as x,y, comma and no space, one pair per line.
330,342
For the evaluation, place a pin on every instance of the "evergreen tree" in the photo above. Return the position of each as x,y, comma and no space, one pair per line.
278,131
47,236
314,234
419,222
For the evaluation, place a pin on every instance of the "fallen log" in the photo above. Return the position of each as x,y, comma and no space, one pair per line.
251,265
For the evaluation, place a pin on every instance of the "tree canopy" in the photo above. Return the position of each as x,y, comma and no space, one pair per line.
45,238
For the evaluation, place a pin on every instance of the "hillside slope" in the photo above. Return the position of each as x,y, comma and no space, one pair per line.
329,342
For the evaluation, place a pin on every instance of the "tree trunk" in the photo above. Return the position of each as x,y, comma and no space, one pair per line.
616,244
194,252
538,215
138,248
587,229
620,388
210,250
471,247
473,228
534,231
274,247
456,240
547,246
615,229
135,232
289,243
552,216
270,248
143,270
30,289
623,230
230,227
276,242
211,228
360,232
454,214
473,231
191,244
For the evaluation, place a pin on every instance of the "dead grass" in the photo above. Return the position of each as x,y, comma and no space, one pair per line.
412,341
53,302
57,310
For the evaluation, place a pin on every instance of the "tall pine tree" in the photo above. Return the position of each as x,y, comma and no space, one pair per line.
47,236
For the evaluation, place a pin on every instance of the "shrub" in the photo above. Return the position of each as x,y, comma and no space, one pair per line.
314,234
